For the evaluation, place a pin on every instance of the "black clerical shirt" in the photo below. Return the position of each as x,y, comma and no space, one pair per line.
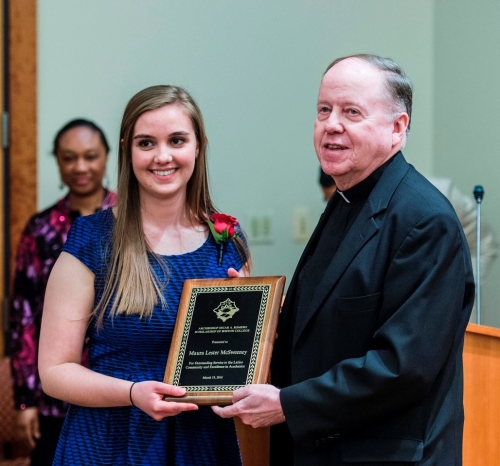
348,204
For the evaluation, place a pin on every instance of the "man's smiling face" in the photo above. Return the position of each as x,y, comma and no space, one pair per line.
356,128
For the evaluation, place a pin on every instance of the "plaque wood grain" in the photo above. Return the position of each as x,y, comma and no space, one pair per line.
264,343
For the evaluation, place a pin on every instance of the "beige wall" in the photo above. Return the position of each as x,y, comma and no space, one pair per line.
466,113
254,68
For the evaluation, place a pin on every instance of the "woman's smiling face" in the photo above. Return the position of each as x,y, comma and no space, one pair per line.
81,158
164,150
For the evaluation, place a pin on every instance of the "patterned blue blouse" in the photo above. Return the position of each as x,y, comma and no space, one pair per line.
135,349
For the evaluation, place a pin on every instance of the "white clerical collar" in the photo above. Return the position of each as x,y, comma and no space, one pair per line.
343,196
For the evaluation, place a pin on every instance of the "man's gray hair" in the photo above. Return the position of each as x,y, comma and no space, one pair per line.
397,83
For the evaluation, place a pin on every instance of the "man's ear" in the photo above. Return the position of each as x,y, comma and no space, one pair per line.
400,124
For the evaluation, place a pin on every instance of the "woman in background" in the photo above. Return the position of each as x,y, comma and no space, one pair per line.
118,282
81,151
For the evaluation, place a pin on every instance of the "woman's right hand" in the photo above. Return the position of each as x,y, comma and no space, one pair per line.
28,425
148,396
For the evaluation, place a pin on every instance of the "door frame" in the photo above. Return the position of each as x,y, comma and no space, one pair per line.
20,150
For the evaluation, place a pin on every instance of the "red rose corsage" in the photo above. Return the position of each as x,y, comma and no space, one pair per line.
222,227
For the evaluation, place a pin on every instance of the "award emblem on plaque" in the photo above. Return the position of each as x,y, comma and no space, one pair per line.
223,337
226,310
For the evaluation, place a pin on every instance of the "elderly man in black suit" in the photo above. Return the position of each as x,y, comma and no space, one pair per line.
367,367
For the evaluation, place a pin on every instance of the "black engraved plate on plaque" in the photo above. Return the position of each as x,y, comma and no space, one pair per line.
221,337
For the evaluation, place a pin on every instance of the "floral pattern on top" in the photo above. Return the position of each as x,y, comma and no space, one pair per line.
39,247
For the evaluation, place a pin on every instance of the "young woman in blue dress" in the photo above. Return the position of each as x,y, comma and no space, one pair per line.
117,285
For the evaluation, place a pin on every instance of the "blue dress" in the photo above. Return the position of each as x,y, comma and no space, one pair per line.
136,349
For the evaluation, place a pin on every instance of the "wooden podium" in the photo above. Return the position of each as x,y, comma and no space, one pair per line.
254,444
481,396
481,401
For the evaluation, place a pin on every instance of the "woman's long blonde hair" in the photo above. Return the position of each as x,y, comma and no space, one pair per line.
132,286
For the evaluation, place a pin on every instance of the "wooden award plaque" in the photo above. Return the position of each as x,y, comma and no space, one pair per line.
223,337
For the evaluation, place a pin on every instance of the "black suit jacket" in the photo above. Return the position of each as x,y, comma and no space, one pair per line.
371,371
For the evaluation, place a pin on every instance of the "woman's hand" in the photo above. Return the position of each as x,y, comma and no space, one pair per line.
244,271
233,273
148,396
28,425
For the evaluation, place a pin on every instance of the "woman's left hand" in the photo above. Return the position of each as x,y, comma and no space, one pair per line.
244,272
233,273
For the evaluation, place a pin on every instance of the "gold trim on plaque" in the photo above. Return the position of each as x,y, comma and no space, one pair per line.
264,320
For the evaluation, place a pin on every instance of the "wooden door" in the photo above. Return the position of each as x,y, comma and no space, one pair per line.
18,176
3,259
